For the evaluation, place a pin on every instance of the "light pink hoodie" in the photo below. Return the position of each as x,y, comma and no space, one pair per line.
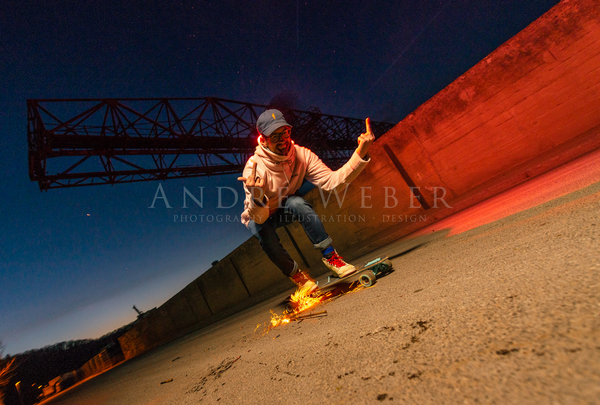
284,175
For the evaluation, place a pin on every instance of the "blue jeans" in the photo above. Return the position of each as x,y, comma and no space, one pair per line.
294,208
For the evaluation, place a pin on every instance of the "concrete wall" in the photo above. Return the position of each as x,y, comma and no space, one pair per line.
241,279
531,105
102,361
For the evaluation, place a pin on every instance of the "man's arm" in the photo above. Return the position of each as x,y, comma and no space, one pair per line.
257,203
322,176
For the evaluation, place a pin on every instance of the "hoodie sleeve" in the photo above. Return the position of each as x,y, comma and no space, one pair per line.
257,213
320,175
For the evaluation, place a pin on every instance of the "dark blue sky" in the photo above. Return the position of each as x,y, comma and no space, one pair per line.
65,274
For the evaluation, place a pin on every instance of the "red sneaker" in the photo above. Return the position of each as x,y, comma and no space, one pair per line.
339,267
303,280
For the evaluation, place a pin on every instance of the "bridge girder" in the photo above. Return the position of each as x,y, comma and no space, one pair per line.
84,142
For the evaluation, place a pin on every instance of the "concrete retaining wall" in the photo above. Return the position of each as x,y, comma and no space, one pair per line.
101,362
104,360
531,105
240,279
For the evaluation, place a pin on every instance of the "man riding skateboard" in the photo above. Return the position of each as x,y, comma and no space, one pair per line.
271,178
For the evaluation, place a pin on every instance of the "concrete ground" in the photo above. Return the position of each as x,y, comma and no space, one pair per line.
501,312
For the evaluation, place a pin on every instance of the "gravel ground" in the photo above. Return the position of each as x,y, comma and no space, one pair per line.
504,313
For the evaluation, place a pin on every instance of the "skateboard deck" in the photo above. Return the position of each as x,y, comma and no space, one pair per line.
365,274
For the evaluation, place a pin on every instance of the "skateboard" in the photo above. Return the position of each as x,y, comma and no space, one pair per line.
365,274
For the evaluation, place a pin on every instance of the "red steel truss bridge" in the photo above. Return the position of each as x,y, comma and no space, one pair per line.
85,142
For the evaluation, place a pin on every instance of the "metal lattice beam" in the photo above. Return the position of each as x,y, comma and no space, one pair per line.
83,142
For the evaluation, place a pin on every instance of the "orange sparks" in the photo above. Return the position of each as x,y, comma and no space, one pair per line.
300,301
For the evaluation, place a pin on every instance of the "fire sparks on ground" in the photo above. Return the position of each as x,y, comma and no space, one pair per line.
300,301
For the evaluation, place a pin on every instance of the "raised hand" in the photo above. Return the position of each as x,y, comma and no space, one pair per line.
255,185
365,140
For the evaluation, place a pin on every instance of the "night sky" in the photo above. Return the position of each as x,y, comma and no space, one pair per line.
74,261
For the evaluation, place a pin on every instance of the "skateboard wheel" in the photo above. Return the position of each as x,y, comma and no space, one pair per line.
385,266
367,280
